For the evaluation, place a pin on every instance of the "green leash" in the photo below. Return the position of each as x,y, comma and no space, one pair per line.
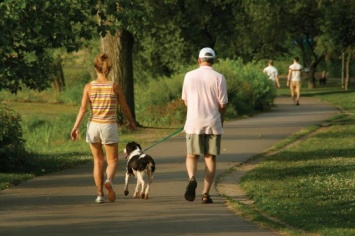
162,140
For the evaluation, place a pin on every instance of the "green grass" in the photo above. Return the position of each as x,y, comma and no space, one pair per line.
310,186
46,129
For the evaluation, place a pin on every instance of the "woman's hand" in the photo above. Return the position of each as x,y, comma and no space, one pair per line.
132,126
74,134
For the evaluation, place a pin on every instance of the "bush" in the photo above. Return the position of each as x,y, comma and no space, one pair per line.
249,91
159,102
13,155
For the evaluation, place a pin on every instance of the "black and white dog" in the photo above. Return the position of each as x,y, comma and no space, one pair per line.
138,164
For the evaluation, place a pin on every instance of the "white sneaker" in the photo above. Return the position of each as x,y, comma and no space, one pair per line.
100,199
111,195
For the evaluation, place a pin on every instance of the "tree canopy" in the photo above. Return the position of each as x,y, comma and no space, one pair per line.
168,34
30,29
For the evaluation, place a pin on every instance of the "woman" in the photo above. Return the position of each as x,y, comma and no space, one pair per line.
102,130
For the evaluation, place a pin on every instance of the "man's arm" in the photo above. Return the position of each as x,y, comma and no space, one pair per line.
222,110
289,77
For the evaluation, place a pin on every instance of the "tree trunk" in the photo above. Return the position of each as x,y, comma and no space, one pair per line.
343,70
347,73
311,79
59,82
119,48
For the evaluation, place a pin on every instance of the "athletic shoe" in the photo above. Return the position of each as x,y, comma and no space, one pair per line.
111,195
100,199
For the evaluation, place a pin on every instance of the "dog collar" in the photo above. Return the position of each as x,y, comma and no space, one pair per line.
134,153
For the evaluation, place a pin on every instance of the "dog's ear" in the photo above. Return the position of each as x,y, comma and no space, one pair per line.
139,147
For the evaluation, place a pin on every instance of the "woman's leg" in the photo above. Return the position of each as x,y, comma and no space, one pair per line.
112,160
98,172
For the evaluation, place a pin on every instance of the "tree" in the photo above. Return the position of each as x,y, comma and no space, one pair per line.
119,48
119,21
136,28
338,31
298,22
178,29
30,29
261,30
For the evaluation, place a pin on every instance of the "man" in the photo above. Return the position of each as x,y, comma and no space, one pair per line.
205,95
272,72
294,80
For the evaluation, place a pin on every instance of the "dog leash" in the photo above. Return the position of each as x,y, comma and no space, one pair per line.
162,140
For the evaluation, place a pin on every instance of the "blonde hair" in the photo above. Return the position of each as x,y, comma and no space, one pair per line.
103,64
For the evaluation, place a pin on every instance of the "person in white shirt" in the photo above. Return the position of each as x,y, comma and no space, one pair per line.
205,95
272,72
294,80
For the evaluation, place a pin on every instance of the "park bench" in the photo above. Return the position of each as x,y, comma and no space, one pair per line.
320,76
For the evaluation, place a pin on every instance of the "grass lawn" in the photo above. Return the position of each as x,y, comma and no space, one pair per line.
309,187
46,129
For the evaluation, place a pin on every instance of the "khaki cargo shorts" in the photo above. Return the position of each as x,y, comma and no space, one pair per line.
295,87
201,144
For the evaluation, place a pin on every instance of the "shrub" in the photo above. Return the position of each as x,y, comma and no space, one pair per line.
13,155
249,91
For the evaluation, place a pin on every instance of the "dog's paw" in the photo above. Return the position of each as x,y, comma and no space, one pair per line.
126,192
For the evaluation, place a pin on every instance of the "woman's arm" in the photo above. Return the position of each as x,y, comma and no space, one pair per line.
82,110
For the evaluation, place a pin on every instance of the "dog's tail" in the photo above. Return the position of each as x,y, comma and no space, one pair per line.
151,163
146,161
152,166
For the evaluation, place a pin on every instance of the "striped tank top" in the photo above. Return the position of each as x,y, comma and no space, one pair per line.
103,103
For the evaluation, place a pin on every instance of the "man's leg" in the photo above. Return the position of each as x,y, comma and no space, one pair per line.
191,164
292,91
191,167
298,92
210,171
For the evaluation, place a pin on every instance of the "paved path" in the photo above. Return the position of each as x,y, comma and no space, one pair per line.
63,203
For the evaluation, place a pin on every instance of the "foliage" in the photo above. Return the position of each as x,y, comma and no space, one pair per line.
30,29
12,146
177,30
249,91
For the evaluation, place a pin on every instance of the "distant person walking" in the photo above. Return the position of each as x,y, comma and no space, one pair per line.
102,131
273,73
294,80
205,95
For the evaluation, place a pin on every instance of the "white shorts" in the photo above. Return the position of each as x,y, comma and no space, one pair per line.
101,133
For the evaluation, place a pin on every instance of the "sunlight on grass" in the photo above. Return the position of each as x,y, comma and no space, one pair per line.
311,185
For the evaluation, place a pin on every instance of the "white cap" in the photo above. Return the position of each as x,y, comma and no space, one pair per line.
209,51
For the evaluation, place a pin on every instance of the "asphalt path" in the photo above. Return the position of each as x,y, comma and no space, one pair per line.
63,203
